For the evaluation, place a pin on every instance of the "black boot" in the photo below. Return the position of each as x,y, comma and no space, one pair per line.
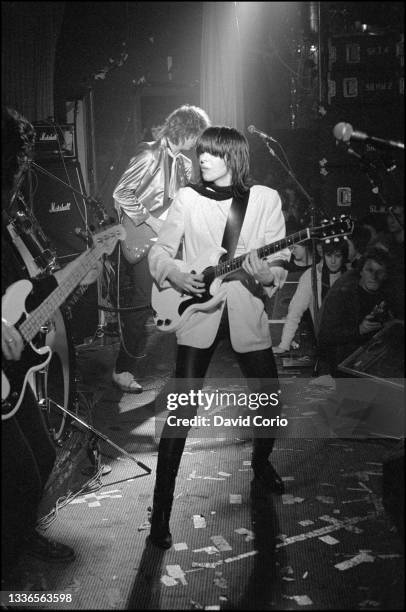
161,512
264,471
169,456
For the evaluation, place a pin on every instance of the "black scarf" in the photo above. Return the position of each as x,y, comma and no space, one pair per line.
212,191
230,238
325,278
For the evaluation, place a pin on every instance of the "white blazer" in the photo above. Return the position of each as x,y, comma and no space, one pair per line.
200,222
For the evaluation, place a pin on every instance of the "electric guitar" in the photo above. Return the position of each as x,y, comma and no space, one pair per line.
139,238
171,309
15,374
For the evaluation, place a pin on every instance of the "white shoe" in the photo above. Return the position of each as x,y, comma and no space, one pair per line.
126,382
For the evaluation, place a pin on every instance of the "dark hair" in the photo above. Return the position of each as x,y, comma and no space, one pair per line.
184,122
336,244
360,237
379,254
17,139
231,146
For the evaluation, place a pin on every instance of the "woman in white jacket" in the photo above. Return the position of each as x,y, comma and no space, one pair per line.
198,217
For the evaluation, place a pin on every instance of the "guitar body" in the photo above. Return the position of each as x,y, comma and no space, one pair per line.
172,309
15,374
139,238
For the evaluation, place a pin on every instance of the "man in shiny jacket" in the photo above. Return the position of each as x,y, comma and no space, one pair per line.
142,198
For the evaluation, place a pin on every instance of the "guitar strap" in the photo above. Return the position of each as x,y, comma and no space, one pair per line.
234,223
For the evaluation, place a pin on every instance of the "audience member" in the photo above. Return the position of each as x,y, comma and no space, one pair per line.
357,244
328,270
301,258
393,242
355,308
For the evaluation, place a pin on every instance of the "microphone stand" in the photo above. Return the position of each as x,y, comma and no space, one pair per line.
312,210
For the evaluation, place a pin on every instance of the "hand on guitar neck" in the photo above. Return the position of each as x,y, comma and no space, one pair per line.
11,341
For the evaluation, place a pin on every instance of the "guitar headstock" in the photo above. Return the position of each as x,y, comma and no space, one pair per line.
337,227
108,238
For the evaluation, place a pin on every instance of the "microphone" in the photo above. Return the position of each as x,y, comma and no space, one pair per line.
345,132
253,130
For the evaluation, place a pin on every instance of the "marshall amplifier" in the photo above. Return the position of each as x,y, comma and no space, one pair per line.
60,211
55,141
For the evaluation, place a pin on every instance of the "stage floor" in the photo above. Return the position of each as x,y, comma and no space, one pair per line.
327,544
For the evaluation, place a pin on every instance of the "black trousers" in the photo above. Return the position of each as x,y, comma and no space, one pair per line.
27,458
192,363
133,323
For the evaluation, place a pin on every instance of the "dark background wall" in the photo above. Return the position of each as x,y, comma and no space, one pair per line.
118,52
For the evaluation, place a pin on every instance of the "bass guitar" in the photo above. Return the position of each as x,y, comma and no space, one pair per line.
171,309
15,374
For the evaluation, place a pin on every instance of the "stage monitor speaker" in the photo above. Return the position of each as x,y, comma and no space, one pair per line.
59,210
382,358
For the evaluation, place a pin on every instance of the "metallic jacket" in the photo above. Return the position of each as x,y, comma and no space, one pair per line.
145,183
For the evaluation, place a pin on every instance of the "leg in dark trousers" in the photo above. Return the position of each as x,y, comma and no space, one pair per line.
259,368
133,325
28,456
191,364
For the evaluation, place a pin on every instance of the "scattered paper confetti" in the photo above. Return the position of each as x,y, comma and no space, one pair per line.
247,532
175,571
301,600
207,565
235,498
329,540
221,543
199,521
370,603
242,556
180,546
168,581
306,523
357,560
325,499
291,499
210,550
144,526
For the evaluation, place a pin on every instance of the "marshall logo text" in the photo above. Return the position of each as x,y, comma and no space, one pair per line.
56,208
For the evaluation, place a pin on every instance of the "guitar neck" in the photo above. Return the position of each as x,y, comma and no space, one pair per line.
269,249
38,317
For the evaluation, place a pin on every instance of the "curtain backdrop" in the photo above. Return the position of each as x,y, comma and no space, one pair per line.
29,34
221,92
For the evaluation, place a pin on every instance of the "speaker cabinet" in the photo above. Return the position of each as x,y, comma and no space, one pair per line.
59,210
